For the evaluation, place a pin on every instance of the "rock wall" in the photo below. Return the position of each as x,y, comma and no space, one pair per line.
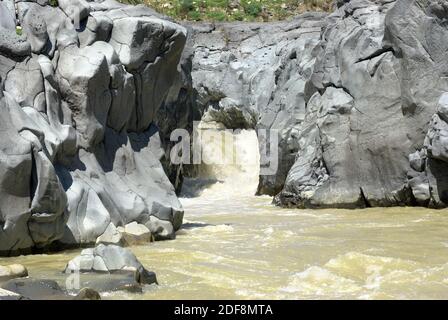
79,147
380,74
251,75
354,95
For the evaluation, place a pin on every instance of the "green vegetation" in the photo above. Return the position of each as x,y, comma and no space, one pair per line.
234,10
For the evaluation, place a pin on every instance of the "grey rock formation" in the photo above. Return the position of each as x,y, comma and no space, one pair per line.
80,149
34,289
6,295
354,96
7,15
111,236
247,76
385,55
110,259
135,234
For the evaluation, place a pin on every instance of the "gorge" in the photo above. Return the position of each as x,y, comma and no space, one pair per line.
92,90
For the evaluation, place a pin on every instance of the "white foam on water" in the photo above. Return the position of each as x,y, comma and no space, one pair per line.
237,176
318,282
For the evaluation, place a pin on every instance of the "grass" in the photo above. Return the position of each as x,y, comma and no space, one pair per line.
234,10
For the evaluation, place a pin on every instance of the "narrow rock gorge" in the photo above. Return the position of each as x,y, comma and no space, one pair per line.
91,90
358,98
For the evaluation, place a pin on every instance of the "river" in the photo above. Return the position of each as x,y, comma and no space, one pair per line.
237,246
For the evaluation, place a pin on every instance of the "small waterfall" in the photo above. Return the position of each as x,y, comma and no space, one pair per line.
230,163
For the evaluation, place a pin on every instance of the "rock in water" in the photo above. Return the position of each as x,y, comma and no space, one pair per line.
12,272
87,294
110,259
36,289
9,295
78,99
135,234
42,289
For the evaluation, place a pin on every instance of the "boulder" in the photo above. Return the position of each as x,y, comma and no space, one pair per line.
6,295
111,236
135,234
12,272
110,259
36,289
43,289
87,294
102,282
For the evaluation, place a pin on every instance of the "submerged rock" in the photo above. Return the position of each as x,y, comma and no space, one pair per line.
87,294
42,289
36,289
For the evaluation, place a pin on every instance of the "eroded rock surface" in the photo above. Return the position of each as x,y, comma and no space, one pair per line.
80,150
387,56
110,259
357,96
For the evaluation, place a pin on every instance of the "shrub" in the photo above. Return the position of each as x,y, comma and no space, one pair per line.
217,16
194,16
252,8
186,6
232,10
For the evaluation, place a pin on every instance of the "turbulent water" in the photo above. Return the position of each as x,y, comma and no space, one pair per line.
238,246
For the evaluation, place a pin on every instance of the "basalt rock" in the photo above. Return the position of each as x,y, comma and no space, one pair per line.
6,295
42,289
388,59
80,148
247,76
110,259
357,97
